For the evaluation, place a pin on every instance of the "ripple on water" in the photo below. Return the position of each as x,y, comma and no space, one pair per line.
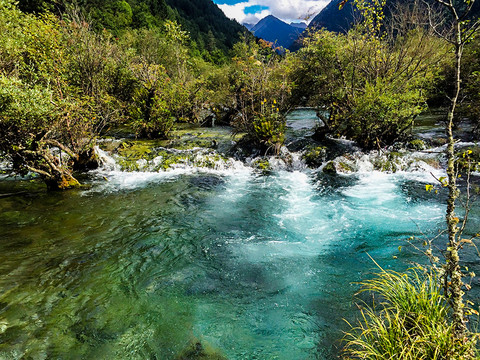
255,266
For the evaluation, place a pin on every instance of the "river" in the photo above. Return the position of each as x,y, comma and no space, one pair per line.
252,265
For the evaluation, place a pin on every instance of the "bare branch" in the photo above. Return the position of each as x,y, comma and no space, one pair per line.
38,171
61,147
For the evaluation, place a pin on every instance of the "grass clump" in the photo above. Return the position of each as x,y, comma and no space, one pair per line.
410,322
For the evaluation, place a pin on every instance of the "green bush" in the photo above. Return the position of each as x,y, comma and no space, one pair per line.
370,89
268,128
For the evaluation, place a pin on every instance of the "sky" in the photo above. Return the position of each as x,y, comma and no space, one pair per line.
251,11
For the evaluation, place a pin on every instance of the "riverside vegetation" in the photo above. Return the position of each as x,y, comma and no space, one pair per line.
71,78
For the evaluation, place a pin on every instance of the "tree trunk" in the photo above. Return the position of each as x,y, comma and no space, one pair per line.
453,277
61,182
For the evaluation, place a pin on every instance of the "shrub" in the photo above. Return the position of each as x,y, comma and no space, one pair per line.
411,321
268,128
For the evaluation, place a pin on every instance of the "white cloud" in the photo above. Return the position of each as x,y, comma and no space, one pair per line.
287,10
236,11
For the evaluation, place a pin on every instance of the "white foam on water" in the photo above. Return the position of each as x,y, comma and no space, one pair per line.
309,223
374,187
412,166
112,178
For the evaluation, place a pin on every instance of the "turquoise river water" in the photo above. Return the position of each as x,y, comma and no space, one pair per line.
252,265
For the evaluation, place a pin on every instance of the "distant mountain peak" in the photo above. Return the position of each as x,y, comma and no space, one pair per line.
274,30
248,26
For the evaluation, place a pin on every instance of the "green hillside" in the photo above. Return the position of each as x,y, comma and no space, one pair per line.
207,24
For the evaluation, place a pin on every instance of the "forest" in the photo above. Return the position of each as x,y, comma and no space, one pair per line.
82,83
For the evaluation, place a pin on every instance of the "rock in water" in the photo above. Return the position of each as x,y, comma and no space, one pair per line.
198,351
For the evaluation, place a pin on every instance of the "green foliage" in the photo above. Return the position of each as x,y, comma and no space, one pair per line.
471,87
372,87
269,127
467,160
258,74
372,15
151,109
411,321
380,114
24,109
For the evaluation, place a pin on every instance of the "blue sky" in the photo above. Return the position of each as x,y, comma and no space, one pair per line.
251,11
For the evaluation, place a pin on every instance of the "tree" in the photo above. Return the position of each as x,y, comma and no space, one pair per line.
151,110
260,92
461,31
369,84
43,129
471,83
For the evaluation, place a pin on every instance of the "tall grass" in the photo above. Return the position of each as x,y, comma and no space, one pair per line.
410,322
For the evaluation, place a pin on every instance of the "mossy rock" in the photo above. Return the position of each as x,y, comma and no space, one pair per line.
135,150
416,144
262,164
209,161
315,156
438,141
330,168
197,350
389,163
346,168
191,144
62,182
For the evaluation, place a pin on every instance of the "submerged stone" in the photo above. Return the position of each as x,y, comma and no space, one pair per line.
198,351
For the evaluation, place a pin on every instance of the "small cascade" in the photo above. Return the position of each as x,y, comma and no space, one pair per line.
286,160
128,170
146,160
107,162
420,165
164,160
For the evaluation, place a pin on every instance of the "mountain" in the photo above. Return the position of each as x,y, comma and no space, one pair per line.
248,26
333,19
341,20
302,26
276,31
207,24
202,18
